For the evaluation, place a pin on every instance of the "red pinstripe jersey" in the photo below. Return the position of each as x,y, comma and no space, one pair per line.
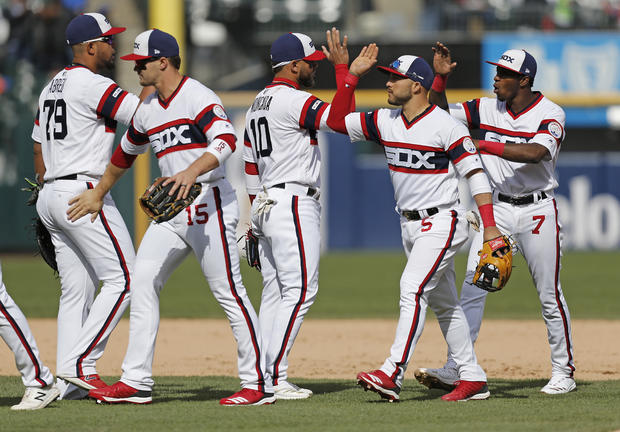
280,141
424,156
179,129
542,122
76,121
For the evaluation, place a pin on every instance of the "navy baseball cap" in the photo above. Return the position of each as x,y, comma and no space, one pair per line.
88,27
293,46
517,60
412,67
153,43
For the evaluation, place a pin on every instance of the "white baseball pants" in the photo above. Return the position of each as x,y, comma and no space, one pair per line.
208,228
87,254
429,280
536,229
289,247
16,333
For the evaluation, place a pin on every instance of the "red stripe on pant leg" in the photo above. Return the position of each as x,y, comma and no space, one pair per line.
119,301
233,288
304,287
561,306
416,316
25,344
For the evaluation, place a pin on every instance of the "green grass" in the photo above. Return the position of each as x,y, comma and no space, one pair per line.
352,285
191,403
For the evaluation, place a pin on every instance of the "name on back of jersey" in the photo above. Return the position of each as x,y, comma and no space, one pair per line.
261,103
57,85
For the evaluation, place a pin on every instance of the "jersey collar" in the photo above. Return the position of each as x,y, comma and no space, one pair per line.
75,65
417,118
514,115
165,103
284,81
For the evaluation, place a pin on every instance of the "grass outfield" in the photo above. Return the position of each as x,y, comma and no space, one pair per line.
352,285
191,404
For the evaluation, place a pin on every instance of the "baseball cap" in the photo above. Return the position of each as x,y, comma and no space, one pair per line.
89,26
293,46
153,43
517,60
412,67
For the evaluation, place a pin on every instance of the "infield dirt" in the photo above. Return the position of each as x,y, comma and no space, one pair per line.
341,348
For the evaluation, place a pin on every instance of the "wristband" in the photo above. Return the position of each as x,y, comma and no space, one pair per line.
351,79
439,83
486,214
491,147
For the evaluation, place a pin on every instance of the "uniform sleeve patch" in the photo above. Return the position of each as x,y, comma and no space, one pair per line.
469,145
219,111
555,129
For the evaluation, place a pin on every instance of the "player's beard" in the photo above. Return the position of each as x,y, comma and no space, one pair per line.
307,79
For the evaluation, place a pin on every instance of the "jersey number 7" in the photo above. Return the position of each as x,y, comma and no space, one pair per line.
261,137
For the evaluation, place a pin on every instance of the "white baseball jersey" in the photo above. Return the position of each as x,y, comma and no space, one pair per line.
542,122
180,128
76,121
421,154
280,135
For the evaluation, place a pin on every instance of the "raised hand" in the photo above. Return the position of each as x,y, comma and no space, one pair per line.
366,59
336,52
442,61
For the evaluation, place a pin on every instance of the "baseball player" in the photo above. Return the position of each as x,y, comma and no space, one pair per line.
426,151
14,329
282,166
73,136
521,132
191,136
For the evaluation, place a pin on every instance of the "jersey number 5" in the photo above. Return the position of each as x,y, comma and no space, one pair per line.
261,137
58,109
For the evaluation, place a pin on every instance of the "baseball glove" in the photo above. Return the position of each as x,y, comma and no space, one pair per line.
251,249
493,271
44,243
160,206
33,187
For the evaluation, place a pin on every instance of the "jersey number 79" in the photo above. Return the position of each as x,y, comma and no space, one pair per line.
57,108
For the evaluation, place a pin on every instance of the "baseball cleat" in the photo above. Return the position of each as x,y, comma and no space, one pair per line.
87,382
559,385
121,393
247,397
380,383
36,398
468,390
287,390
442,378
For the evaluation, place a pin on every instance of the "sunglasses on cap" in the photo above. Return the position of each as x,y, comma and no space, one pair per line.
107,39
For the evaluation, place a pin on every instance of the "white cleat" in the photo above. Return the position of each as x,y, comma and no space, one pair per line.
559,385
36,398
287,390
443,378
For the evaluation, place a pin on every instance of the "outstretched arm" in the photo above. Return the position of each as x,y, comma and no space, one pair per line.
443,66
366,59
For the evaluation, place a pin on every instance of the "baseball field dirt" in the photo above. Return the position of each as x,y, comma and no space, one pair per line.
341,348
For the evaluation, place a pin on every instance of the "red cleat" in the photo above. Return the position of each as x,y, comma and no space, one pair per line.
121,393
380,383
248,397
87,382
468,390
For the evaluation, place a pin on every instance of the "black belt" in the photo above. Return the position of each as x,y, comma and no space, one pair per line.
67,177
522,200
414,215
311,191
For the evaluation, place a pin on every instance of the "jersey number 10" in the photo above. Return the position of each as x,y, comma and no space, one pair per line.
58,109
261,137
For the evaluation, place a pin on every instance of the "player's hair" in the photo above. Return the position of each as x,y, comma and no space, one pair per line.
278,69
175,61
531,82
